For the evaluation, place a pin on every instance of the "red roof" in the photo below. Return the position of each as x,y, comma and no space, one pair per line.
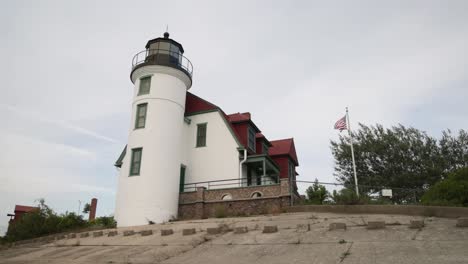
239,117
284,147
194,104
24,208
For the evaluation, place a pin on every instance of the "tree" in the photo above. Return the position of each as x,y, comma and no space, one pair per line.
43,221
346,196
86,208
317,193
454,149
398,157
452,191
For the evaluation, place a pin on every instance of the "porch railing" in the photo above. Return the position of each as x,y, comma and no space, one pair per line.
231,183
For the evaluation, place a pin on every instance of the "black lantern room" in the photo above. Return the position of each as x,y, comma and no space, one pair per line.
163,51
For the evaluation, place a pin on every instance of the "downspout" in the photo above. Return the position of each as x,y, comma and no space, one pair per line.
240,167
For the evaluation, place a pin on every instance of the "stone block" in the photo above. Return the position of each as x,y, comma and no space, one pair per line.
83,235
188,231
98,234
128,233
462,222
213,230
59,237
416,224
71,235
167,232
375,224
270,229
337,226
112,233
146,232
241,230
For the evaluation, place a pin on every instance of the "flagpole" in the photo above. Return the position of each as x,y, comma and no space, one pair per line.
352,152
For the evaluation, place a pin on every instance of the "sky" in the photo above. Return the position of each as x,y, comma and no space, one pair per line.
294,65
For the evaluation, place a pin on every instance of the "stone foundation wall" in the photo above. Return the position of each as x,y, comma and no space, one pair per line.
209,203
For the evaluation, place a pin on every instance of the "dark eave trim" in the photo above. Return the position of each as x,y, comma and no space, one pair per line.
119,161
165,40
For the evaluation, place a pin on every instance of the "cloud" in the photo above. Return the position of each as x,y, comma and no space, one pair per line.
62,124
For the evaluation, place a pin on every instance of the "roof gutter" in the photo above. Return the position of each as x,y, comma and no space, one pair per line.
240,167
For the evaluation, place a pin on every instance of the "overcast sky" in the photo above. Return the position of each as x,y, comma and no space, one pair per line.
295,65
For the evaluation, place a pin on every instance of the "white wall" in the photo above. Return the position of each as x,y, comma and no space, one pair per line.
153,195
219,159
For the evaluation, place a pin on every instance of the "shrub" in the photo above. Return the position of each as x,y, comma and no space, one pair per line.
45,221
106,221
348,196
316,194
71,220
452,191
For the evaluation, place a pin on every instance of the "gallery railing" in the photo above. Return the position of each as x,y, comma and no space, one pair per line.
163,57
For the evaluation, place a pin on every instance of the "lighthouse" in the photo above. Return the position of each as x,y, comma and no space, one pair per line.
148,185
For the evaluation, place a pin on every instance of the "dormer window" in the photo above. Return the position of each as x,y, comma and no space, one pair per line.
264,148
251,138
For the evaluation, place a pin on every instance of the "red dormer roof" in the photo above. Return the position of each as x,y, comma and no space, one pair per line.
239,117
24,208
284,147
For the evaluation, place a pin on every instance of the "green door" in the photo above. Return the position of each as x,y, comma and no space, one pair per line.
182,178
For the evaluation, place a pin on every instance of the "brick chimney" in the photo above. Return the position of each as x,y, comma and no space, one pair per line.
92,211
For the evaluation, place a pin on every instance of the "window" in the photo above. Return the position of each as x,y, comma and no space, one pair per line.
226,196
251,138
201,135
182,178
256,195
264,148
140,118
135,161
145,84
175,54
291,170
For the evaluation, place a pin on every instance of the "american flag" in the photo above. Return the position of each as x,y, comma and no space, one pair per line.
341,124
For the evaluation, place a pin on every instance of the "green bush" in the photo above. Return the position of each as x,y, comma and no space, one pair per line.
348,196
105,221
317,193
45,221
452,191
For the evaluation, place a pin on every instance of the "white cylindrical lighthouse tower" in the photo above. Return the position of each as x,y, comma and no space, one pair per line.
149,175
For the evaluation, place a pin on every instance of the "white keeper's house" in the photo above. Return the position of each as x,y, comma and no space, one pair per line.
178,141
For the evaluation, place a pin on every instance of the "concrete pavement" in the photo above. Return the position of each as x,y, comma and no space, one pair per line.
301,238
